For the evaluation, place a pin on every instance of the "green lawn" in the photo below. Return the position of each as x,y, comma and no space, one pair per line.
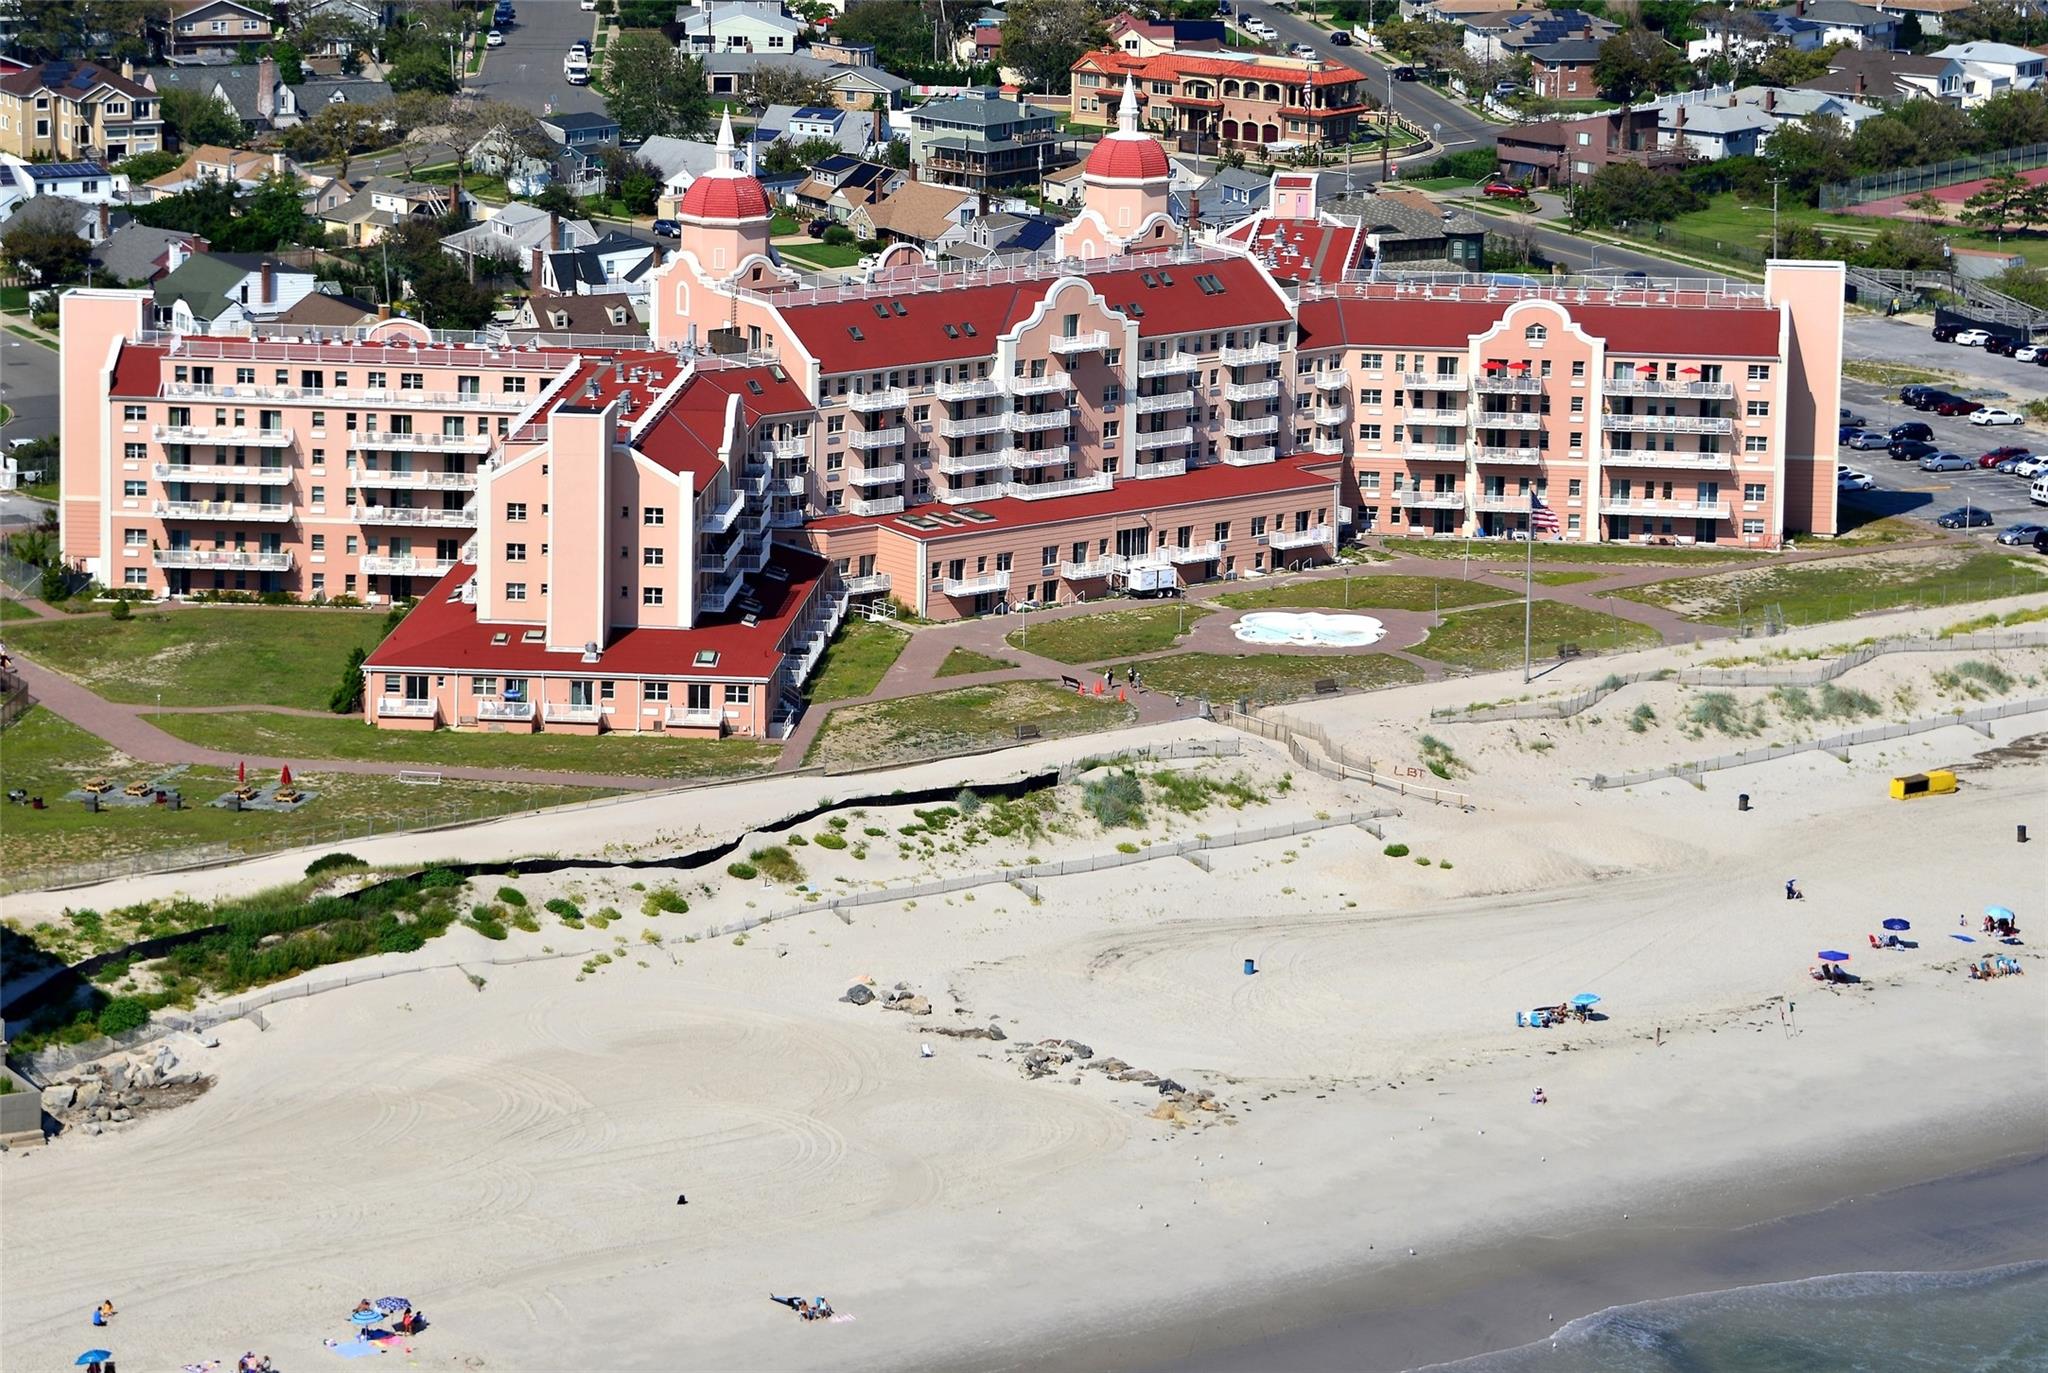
204,657
855,660
1492,638
957,720
1732,219
1438,183
1808,593
339,736
48,756
15,610
1568,578
820,254
1268,678
1501,551
1111,634
1364,592
962,661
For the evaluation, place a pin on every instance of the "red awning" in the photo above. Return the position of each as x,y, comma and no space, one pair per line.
1649,367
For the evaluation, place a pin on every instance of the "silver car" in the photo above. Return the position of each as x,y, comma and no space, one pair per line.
1945,462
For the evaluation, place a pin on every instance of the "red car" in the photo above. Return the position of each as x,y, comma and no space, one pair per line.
1505,190
1957,406
1999,455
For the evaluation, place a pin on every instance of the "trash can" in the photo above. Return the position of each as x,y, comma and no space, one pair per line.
1742,801
1250,967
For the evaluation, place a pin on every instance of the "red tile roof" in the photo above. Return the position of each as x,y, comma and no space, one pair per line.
1128,159
1171,66
1645,330
724,198
1303,249
687,436
1301,473
139,370
443,634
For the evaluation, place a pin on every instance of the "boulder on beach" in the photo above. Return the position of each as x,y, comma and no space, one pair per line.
909,1005
858,995
60,1097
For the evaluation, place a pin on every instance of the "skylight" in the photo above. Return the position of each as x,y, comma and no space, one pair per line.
897,306
706,657
858,336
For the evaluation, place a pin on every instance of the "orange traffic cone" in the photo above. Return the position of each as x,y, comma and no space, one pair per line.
1120,695
1098,688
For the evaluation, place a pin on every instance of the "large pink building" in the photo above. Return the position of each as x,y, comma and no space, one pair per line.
662,539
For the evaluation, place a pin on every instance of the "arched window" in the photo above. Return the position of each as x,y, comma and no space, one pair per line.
1535,334
1230,90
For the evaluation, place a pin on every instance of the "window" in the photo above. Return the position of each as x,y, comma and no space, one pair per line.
515,591
1755,443
1370,397
1757,409
1752,526
134,452
650,595
1752,492
377,383
1578,370
135,488
134,414
739,693
654,691
411,381
1759,371
653,514
515,552
1369,432
485,687
1572,488
319,543
1370,361
1535,335
515,510
135,538
650,557
514,385
318,495
1578,405
139,576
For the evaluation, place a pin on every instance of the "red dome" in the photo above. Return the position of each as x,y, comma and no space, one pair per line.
725,197
1126,159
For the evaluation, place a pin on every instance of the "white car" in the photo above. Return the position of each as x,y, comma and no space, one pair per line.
494,39
2030,467
2030,352
1855,481
1973,338
1991,414
588,5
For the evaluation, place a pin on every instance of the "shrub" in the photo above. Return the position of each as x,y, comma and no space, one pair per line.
401,939
1439,757
523,920
664,901
745,872
796,841
967,801
122,1014
1640,718
1846,703
512,896
874,832
838,235
829,840
838,822
439,877
564,907
1719,710
1395,850
1990,674
486,925
1127,847
331,862
120,611
1118,799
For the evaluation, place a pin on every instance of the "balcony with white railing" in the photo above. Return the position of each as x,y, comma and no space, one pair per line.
1435,381
1299,538
867,583
405,565
1520,457
1430,500
1683,390
410,479
1168,467
869,402
1644,457
1509,384
879,505
1502,502
414,400
1252,390
1033,422
965,495
1193,553
1247,457
395,441
1508,419
1457,417
1251,425
683,717
1669,424
223,472
958,463
972,388
406,708
1165,400
465,518
236,559
875,476
1031,459
715,595
245,436
891,437
565,713
976,585
237,511
1329,414
1163,438
1434,452
792,483
753,479
1643,505
1327,445
1251,355
1171,365
967,426
720,518
1050,384
1071,486
788,517
721,559
1086,341
498,708
784,450
1088,571
1331,379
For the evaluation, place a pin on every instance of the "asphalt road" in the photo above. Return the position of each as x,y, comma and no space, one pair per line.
28,386
1903,489
527,71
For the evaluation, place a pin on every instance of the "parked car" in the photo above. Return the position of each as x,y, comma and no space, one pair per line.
2029,467
1854,420
2015,535
1855,481
1911,450
1928,398
1956,405
1505,88
1965,517
1305,51
1912,429
1504,190
2041,542
1340,38
1945,462
1944,333
1973,338
1909,394
669,228
1992,414
1407,74
2005,459
1869,438
2027,352
494,39
1999,343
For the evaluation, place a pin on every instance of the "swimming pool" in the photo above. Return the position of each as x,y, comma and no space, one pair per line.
1307,629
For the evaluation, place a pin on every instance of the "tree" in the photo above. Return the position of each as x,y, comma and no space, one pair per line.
1809,154
336,133
1043,39
899,30
1940,131
1785,65
767,86
1929,206
207,210
196,118
290,68
76,27
274,216
1629,191
347,696
1998,204
2013,119
1636,62
52,254
1998,21
148,166
442,295
650,88
422,69
1910,34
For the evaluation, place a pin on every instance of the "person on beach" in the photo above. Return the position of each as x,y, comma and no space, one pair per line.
1537,1098
362,1306
1792,890
103,1312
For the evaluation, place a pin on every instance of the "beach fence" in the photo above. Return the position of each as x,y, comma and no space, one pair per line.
1328,758
1695,772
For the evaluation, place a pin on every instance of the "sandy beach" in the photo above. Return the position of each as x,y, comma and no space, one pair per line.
1376,1190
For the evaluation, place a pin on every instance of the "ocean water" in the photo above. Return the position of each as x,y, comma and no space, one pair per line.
1992,1320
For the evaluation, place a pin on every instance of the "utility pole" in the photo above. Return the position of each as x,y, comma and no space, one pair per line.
1776,182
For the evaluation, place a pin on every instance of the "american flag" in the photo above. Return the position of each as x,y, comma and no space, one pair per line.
1542,519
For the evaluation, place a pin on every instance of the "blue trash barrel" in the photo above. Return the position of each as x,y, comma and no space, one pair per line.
1250,967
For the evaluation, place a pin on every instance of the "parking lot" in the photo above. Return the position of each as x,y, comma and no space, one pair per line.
1903,489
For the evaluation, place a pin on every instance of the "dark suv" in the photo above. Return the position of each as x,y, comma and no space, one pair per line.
1912,429
1913,449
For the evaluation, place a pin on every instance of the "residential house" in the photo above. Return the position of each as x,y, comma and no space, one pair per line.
839,185
1714,129
616,264
854,131
325,307
1499,36
852,88
94,223
917,212
141,255
1204,101
1931,14
1141,37
982,141
87,183
1406,228
382,203
244,169
367,15
253,92
1062,187
1003,237
581,129
1791,104
515,230
1564,70
1886,78
1993,68
315,93
981,45
545,319
739,26
1563,152
1748,36
1228,196
76,111
1463,11
212,29
842,52
212,292
1844,21
680,162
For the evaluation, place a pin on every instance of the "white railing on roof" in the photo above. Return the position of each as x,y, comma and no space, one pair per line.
929,283
497,708
1165,400
1601,288
1072,486
406,708
875,476
1169,467
1056,455
1647,457
974,462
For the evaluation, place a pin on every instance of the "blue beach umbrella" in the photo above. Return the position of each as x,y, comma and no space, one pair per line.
1833,956
1998,913
1897,924
1962,938
1586,999
92,1356
365,1317
391,1306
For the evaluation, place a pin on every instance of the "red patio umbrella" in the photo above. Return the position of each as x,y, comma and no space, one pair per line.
241,774
1518,366
284,775
1493,366
1688,371
1650,367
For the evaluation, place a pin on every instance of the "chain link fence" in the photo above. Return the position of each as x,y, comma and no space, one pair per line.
1841,195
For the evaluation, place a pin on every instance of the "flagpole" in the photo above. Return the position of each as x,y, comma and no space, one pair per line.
1529,591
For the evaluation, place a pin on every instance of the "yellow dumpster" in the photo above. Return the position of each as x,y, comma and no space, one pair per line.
1935,783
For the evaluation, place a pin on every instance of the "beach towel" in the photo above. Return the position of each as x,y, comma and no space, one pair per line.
353,1349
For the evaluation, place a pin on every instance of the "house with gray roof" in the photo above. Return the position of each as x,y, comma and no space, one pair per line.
1844,21
515,229
227,290
982,141
142,254
738,26
1409,228
853,88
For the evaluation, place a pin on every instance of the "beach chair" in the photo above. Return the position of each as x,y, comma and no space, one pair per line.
1521,1020
1874,944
